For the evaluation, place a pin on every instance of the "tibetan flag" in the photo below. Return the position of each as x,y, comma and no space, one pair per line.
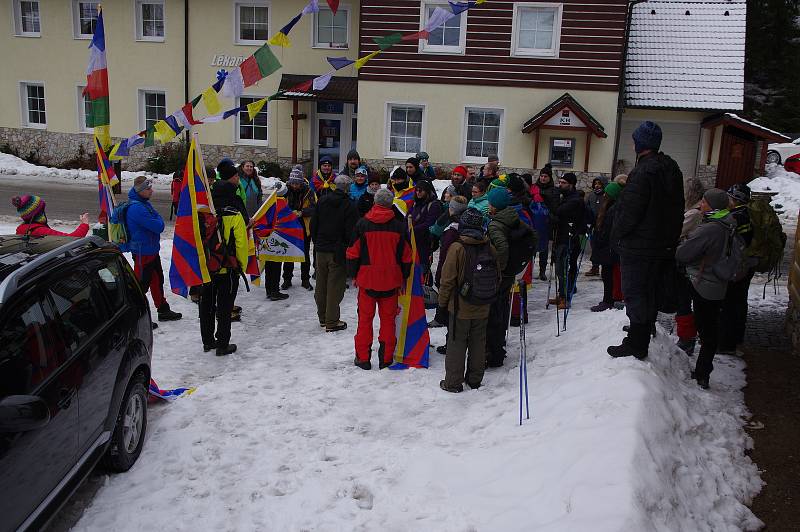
97,85
233,86
339,63
106,178
254,108
524,214
334,5
168,395
311,7
211,101
320,183
386,42
363,60
437,18
320,82
259,65
252,269
413,339
419,36
404,199
280,231
188,267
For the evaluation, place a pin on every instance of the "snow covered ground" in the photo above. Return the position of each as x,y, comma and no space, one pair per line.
286,434
786,184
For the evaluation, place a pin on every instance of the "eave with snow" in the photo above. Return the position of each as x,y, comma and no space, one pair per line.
684,70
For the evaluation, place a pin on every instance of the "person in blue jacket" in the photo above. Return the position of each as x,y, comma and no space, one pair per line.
145,226
359,185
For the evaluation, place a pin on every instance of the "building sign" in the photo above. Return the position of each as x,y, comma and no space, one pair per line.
225,60
565,118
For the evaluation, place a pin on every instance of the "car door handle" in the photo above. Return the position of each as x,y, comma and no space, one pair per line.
65,397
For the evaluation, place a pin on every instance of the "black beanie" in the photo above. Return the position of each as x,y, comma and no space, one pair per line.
226,170
570,178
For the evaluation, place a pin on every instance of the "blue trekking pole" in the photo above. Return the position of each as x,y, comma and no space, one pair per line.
575,284
523,360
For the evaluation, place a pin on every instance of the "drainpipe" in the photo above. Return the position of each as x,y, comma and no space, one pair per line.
621,99
186,61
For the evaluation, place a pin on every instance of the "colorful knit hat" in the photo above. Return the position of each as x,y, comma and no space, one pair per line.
30,208
296,176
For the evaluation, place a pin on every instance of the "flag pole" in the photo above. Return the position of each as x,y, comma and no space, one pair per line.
198,154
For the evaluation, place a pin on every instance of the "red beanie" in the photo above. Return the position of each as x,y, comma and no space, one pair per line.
461,170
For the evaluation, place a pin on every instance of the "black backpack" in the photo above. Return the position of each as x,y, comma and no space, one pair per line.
481,276
522,244
219,254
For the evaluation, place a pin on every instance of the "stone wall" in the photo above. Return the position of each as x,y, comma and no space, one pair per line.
707,175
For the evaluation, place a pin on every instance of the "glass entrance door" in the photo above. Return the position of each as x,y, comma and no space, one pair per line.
329,140
335,134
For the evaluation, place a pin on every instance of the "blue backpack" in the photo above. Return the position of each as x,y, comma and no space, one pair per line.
120,217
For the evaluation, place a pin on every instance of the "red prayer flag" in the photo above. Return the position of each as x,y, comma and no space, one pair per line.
250,71
334,5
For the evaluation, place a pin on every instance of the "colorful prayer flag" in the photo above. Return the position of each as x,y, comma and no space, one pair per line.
233,86
363,60
211,101
339,62
254,108
163,133
334,5
105,175
459,7
188,267
184,117
387,41
413,339
97,84
311,7
280,231
320,82
280,39
419,36
437,18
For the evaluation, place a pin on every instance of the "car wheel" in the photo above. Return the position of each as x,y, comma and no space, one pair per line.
773,157
129,429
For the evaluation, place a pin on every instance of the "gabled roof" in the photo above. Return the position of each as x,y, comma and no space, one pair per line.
745,125
686,55
566,100
340,89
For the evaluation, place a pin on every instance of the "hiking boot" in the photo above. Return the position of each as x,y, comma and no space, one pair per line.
514,322
287,284
451,390
338,326
701,381
153,325
236,308
433,324
383,364
542,276
195,298
322,324
626,328
442,349
600,307
235,316
165,314
227,350
277,296
594,272
474,386
209,347
687,345
366,364
307,285
563,304
625,350
554,300
726,351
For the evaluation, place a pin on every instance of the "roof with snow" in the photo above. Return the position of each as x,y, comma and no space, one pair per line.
686,55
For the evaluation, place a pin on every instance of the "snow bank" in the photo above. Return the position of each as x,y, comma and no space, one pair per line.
11,166
786,184
287,434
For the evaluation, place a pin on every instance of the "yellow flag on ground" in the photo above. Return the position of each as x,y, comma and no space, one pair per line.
164,133
280,39
360,62
211,101
254,108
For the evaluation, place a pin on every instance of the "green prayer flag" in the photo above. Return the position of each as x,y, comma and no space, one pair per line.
98,113
149,138
384,43
266,60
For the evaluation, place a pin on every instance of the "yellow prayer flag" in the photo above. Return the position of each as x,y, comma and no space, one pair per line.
103,133
112,155
211,101
479,2
360,62
163,132
280,39
254,108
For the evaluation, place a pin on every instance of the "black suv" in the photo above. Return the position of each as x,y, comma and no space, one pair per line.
75,349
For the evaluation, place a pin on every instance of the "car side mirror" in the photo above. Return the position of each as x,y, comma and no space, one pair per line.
21,413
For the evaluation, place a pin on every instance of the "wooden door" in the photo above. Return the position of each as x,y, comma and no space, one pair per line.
737,158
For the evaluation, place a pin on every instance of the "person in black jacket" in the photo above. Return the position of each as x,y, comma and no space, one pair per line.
332,228
367,199
550,195
602,253
569,216
647,227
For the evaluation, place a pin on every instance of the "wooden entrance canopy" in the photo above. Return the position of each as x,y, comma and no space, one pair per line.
564,114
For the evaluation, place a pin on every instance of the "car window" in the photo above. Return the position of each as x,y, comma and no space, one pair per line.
28,352
112,283
77,307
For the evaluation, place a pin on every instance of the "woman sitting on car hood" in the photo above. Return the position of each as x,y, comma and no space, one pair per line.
34,220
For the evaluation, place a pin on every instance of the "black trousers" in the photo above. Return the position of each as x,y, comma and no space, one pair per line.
543,255
733,318
607,275
706,317
216,303
272,276
640,282
305,267
567,266
498,324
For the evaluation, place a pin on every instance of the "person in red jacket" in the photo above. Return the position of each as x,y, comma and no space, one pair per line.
380,260
31,209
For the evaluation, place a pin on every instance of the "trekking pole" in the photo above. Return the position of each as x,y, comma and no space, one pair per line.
523,354
549,284
575,283
565,280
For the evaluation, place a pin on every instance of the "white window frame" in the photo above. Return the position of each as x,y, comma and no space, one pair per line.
81,108
76,22
23,94
139,20
16,7
237,123
141,91
425,48
517,51
237,23
465,130
388,129
327,46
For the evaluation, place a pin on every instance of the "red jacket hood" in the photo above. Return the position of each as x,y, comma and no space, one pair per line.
379,214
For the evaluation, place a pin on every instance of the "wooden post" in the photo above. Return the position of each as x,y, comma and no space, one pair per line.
713,131
295,118
588,149
536,149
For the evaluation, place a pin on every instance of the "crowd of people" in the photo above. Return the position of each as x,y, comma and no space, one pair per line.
657,243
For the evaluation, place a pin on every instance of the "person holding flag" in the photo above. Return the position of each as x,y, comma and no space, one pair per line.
302,201
322,178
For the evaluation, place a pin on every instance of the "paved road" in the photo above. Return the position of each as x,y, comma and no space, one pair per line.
65,201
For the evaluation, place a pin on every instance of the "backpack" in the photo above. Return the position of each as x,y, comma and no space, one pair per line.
769,240
732,264
219,254
481,279
522,244
120,217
